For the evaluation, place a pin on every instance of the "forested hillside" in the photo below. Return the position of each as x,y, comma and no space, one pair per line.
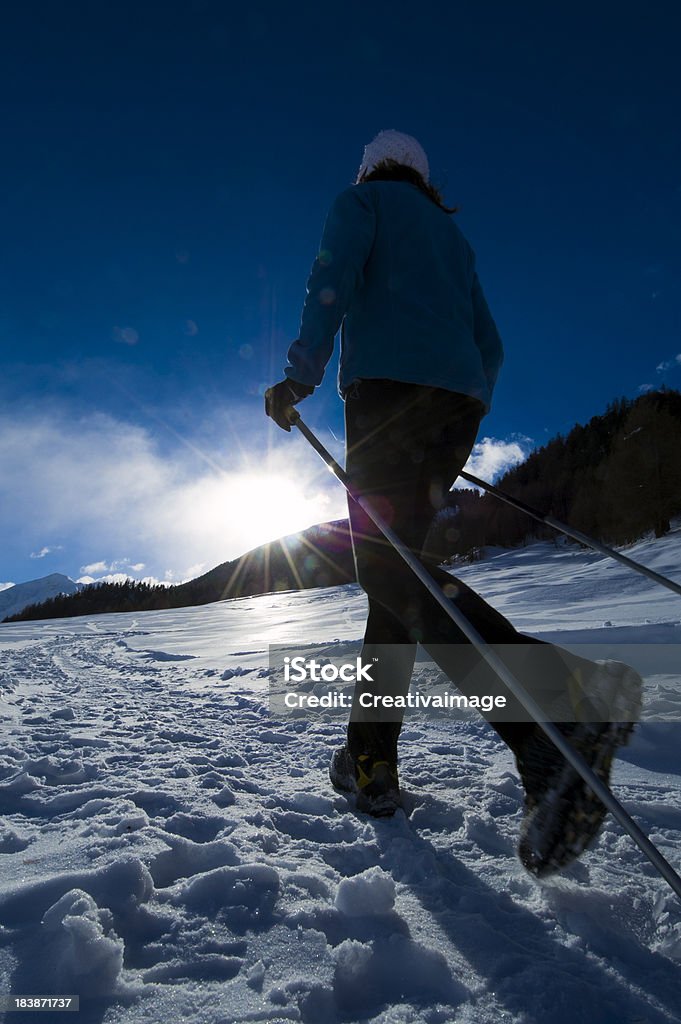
614,478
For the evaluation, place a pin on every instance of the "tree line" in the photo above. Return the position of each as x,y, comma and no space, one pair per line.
616,478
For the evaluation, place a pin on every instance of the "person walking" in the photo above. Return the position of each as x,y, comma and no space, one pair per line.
419,358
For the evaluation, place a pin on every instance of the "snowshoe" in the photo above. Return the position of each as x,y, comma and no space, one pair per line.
375,782
562,814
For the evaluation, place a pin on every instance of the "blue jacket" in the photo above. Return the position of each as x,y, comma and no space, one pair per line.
397,275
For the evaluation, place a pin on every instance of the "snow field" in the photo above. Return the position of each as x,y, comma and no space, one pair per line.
172,852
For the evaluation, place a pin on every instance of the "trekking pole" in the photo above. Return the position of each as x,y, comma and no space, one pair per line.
602,791
569,531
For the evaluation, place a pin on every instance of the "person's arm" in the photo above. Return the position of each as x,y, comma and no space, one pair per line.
336,273
486,334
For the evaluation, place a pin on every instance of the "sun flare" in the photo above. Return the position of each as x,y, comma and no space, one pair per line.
238,511
269,506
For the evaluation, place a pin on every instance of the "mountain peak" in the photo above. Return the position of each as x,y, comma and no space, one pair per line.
18,597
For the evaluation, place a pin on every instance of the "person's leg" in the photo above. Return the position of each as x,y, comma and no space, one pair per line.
562,814
385,461
371,418
390,654
406,446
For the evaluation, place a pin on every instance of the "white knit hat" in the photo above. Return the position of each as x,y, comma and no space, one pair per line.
392,145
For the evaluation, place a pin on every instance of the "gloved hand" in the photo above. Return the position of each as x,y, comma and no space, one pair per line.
281,397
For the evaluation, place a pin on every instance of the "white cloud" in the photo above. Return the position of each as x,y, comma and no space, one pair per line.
646,387
669,364
116,565
94,567
100,487
491,457
46,550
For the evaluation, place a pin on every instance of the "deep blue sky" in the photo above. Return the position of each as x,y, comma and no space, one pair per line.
166,171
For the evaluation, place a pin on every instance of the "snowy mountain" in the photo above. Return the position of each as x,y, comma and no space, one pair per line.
173,850
18,597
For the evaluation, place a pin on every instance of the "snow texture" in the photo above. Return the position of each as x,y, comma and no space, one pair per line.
169,851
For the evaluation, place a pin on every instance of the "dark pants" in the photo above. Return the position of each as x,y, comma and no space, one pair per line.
406,444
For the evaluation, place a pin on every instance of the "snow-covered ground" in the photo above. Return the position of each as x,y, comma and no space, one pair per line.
172,852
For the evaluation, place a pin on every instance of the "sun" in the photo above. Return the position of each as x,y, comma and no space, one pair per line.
268,506
236,511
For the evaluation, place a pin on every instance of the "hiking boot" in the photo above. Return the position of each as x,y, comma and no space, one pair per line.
562,814
375,782
342,771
